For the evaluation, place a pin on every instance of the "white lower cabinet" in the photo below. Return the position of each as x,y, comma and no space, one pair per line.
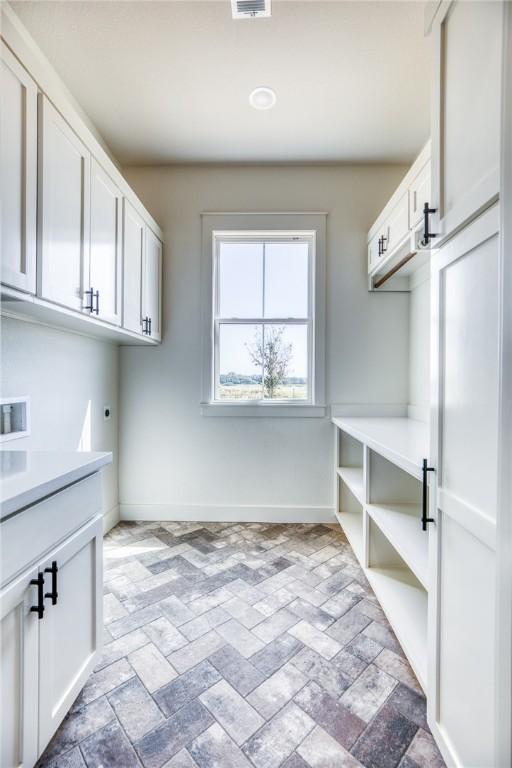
51,624
19,669
70,632
465,452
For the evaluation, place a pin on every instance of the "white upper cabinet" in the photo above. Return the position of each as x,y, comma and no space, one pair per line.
151,287
466,112
395,242
103,286
133,257
18,174
64,207
397,225
419,194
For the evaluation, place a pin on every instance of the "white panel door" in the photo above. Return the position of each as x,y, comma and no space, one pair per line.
465,399
18,673
133,256
467,39
105,249
70,634
152,285
64,205
18,174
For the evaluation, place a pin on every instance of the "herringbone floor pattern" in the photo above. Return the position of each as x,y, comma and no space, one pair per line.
243,646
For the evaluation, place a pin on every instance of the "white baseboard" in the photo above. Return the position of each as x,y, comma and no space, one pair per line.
223,513
111,518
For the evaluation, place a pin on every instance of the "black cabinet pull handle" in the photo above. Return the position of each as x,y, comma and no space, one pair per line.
39,583
427,234
380,245
89,307
149,321
424,519
97,296
53,594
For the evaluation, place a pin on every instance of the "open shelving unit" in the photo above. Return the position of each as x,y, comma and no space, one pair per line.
378,484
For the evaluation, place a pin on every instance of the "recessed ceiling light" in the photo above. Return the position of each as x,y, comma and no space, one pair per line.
262,98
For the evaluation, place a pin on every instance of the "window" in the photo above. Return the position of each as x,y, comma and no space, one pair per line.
263,317
263,339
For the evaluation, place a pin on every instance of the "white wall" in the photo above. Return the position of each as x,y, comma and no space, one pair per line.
419,344
69,378
174,461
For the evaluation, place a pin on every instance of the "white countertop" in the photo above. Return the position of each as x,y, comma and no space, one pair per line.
405,442
28,476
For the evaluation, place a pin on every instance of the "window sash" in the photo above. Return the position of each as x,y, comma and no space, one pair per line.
218,239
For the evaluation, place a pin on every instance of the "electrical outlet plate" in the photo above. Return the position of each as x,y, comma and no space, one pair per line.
20,418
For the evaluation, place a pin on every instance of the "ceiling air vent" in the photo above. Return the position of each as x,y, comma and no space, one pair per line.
250,9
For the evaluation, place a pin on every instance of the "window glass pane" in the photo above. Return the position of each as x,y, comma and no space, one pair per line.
286,280
284,354
240,279
239,376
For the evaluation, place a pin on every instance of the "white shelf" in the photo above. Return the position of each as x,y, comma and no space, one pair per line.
352,526
404,442
404,602
353,479
401,525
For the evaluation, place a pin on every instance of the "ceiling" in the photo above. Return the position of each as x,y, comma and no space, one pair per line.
168,82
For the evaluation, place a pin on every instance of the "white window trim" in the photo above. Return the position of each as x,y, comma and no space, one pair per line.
265,226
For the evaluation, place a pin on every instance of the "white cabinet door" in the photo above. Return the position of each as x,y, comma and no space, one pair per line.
133,256
18,174
70,633
396,225
152,285
467,41
419,194
465,433
373,252
104,284
18,668
64,205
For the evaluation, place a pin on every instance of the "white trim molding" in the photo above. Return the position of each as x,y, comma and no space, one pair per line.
223,513
268,223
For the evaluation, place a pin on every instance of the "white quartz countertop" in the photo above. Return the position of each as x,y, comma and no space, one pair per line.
28,476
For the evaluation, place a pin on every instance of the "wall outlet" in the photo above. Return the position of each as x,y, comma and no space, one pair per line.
107,413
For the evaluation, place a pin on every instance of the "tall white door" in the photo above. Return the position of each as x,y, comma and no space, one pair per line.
70,633
64,206
465,407
133,256
467,41
104,283
18,673
152,285
18,174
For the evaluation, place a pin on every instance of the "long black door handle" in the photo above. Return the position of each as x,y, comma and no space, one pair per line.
53,594
39,583
424,516
427,234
